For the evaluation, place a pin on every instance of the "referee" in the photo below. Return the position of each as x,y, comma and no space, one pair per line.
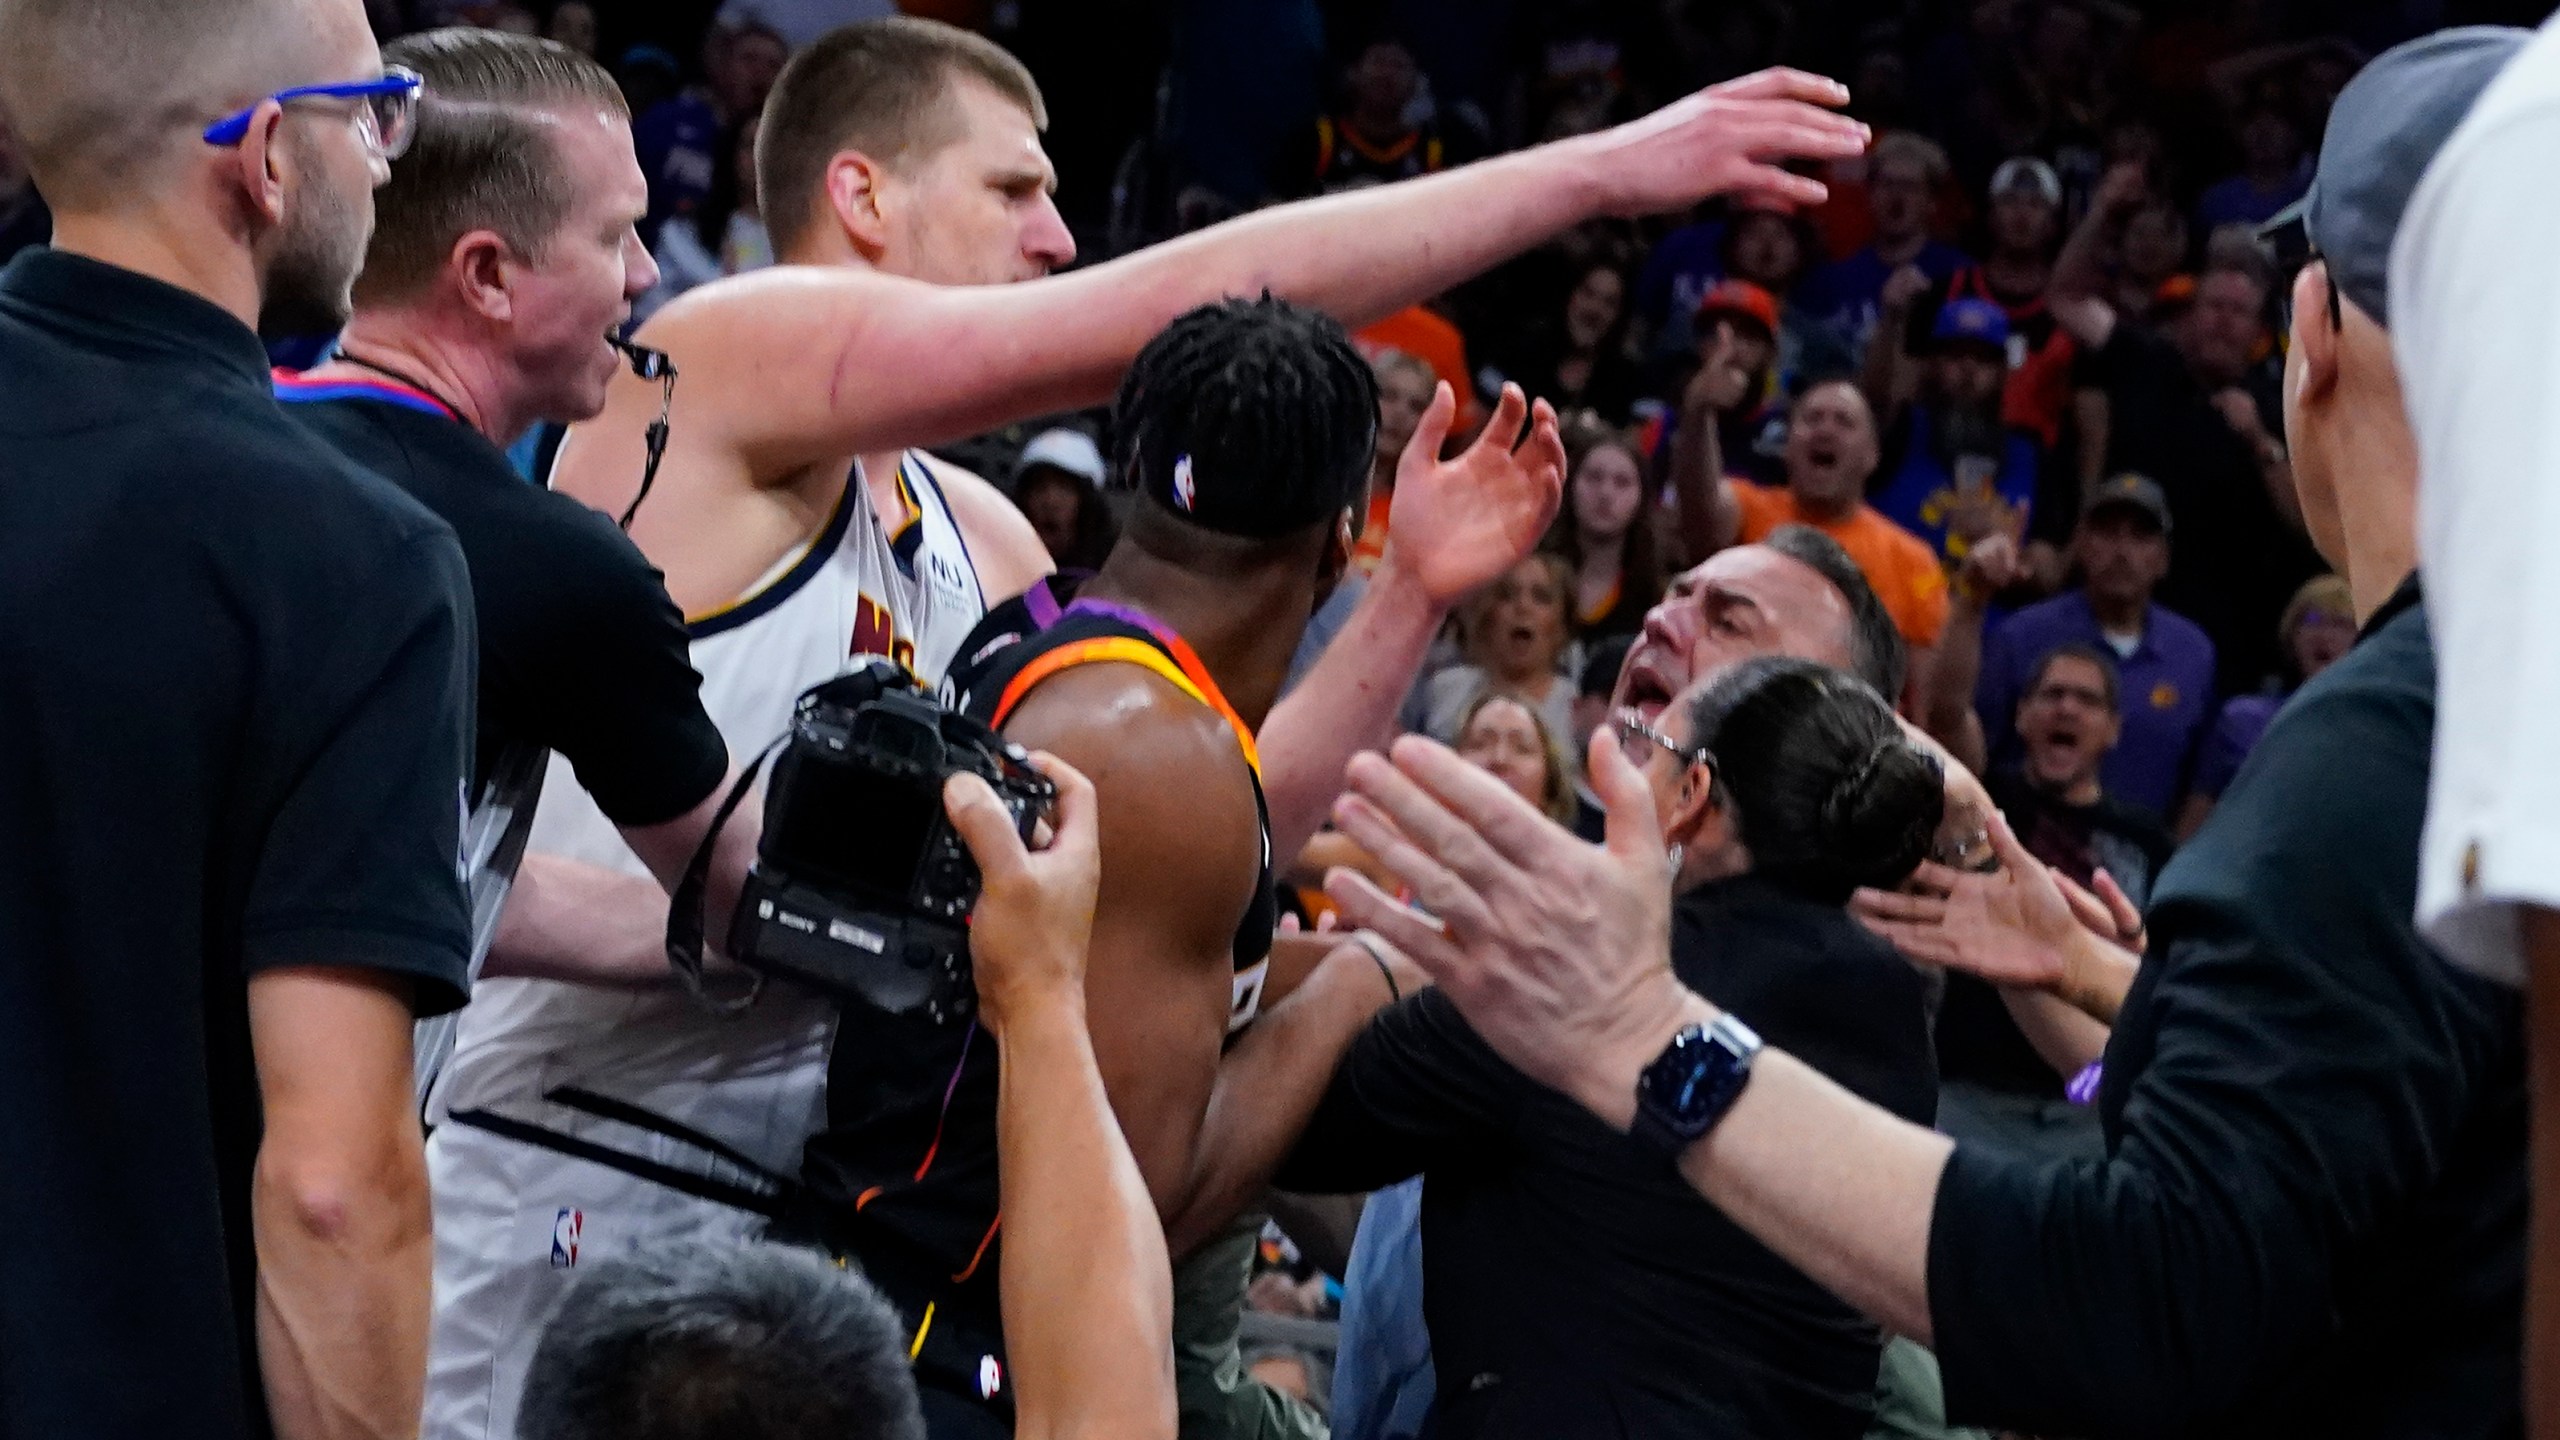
234,691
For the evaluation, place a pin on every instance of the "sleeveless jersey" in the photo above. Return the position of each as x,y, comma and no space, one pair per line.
859,589
904,1176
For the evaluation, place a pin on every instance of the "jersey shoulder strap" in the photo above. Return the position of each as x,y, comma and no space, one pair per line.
1164,654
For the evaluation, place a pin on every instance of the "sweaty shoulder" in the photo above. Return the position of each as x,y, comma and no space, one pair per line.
1175,796
1006,551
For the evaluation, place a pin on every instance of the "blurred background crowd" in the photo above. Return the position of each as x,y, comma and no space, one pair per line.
2023,364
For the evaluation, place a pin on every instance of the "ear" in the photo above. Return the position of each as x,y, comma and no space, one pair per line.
2312,336
263,165
483,265
1697,816
854,194
1346,543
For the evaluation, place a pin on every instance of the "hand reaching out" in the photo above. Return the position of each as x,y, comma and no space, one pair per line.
1456,525
2011,927
1728,139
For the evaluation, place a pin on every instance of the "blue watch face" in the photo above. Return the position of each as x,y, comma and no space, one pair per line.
1690,1085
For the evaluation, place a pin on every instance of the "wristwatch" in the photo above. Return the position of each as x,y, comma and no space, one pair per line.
1692,1083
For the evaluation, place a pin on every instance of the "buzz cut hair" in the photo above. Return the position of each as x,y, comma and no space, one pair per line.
100,93
483,157
880,87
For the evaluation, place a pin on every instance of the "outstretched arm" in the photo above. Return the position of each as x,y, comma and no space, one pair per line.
1455,526
852,362
1088,1293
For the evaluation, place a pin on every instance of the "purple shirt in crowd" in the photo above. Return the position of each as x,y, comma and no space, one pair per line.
2166,692
2244,719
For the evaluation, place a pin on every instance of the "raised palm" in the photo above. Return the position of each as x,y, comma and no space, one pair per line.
1457,525
1733,138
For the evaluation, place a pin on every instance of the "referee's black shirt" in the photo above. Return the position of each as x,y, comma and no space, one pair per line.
581,650
2311,1217
234,703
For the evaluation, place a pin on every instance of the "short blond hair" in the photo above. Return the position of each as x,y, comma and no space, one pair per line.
100,92
881,87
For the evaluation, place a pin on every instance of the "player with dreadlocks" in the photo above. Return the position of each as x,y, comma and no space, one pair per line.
1246,429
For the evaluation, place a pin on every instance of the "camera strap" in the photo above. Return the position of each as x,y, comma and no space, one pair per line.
766,1193
735,989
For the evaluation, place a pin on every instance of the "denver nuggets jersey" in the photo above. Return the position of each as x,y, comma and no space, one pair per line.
908,591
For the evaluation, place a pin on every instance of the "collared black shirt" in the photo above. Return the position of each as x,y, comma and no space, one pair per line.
234,708
1574,1284
581,650
2310,1220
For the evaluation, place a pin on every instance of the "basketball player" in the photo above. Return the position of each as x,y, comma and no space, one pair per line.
796,532
1246,429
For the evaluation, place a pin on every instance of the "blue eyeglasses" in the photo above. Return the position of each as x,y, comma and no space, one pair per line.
388,117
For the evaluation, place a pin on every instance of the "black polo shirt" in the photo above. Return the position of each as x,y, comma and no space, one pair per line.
1574,1283
2310,1220
234,704
581,650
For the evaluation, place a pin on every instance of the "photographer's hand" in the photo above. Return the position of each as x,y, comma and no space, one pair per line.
1029,933
1088,1291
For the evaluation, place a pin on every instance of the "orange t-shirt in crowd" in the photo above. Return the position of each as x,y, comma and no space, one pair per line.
1906,576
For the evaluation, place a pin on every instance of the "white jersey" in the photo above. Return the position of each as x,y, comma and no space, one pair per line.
859,589
514,1219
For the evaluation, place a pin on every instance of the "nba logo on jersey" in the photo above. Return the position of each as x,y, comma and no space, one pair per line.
566,1228
990,1377
1183,490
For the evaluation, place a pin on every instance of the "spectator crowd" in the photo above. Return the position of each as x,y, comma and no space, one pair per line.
2018,381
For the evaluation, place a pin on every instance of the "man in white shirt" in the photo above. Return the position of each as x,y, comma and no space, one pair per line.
2476,301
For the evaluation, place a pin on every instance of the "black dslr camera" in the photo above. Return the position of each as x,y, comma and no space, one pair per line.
861,888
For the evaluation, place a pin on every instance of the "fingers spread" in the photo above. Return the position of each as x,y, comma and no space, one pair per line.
1439,888
1785,83
1474,822
1432,431
1502,432
1365,906
1909,909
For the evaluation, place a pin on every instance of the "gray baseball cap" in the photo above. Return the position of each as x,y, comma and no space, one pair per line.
2131,492
2383,132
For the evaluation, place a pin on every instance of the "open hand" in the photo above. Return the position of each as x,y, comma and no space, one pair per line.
2012,927
1556,951
1728,139
1029,935
1456,525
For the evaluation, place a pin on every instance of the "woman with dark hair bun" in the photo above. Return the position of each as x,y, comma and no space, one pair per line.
1813,785
1573,1283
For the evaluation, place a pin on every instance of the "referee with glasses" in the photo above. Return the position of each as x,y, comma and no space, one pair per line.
235,688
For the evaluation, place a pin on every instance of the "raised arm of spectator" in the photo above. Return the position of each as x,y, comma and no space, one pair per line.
2078,297
1455,526
1087,1289
338,1205
1886,373
1990,565
1709,515
2143,1299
